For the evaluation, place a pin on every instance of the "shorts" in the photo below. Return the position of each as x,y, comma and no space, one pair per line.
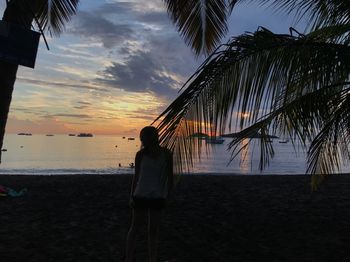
155,203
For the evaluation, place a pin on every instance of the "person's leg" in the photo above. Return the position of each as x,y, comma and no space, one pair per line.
138,217
155,216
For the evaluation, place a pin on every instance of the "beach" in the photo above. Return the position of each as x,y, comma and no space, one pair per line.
208,218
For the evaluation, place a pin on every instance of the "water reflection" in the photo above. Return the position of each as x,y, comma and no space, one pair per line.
244,157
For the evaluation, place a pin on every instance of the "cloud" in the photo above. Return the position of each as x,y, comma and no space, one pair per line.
115,23
87,86
31,110
144,117
144,11
80,107
118,8
84,103
15,125
140,73
94,26
156,18
148,54
132,131
173,53
72,115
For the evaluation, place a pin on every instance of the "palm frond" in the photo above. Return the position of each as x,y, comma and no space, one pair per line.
330,148
303,119
256,73
54,14
332,33
201,23
318,13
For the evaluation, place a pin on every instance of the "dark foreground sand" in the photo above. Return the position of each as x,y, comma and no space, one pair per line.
210,218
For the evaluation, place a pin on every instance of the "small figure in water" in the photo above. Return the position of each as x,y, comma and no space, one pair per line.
131,165
120,165
151,185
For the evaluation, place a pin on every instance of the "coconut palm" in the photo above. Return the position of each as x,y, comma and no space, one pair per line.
50,15
294,84
201,23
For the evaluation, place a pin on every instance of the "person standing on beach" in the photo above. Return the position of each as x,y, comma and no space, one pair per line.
151,185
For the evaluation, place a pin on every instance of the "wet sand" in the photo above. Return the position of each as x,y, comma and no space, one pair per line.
209,218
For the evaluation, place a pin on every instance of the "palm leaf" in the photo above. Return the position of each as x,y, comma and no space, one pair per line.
318,13
54,14
302,119
256,73
204,23
329,150
201,23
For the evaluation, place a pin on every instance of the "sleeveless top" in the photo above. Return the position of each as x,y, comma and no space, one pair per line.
153,177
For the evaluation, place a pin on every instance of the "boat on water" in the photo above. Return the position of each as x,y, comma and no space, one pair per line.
200,136
283,141
131,138
71,135
24,134
85,135
214,140
49,135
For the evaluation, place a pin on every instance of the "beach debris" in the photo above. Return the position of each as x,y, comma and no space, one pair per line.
6,191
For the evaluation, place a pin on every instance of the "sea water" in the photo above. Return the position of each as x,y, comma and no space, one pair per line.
63,154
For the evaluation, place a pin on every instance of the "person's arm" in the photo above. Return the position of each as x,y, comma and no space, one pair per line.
136,175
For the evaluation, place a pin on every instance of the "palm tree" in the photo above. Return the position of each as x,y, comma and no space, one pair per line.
294,84
50,15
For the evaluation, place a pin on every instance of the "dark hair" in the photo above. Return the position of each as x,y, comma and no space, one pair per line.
149,138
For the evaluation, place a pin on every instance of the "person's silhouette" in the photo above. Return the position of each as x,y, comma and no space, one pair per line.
152,182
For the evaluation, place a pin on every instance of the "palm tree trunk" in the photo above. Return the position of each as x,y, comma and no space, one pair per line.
15,13
7,80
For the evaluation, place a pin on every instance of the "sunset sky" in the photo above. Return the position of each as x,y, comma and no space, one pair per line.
114,69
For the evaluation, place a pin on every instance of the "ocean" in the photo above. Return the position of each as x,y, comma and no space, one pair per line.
63,154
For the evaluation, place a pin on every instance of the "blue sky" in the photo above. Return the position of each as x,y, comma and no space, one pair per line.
115,68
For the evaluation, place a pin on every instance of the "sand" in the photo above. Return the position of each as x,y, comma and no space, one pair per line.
209,218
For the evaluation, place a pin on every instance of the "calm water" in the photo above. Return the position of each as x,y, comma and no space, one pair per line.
63,154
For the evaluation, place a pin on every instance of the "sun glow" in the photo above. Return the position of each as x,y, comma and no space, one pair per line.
245,115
